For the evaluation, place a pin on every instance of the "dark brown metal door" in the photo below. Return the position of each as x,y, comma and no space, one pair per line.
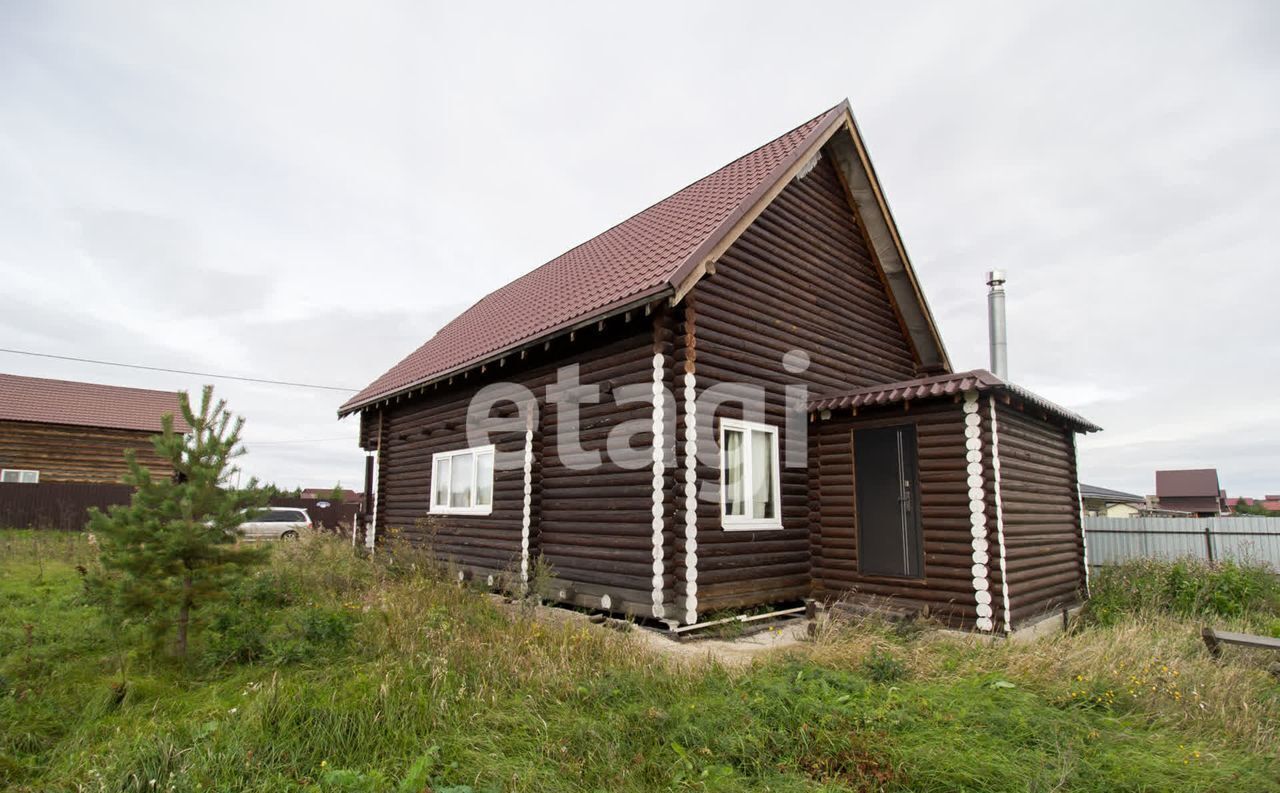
888,501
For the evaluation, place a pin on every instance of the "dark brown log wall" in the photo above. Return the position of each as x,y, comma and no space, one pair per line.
1043,544
64,453
593,527
947,585
799,278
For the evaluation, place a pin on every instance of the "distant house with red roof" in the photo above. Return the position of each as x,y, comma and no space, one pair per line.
348,496
1193,490
67,431
1269,502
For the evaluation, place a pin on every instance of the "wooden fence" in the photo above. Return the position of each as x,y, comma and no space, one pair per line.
55,505
1113,540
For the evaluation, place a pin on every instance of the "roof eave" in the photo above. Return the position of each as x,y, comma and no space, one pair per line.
627,304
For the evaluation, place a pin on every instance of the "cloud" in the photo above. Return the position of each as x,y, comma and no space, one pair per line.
307,191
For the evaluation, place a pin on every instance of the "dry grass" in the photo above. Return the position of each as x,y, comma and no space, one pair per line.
1151,665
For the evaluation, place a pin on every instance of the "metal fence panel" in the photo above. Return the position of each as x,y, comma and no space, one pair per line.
55,505
1252,539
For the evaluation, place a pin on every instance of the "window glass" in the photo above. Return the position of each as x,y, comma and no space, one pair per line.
440,483
749,476
734,501
19,475
31,477
484,479
762,489
460,481
11,476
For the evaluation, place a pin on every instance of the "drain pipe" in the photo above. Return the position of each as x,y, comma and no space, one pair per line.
995,325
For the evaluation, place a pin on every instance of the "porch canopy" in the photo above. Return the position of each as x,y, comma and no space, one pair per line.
947,385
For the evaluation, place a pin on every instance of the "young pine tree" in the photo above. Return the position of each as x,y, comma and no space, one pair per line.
174,547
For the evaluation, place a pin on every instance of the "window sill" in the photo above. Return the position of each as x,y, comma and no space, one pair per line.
460,511
750,525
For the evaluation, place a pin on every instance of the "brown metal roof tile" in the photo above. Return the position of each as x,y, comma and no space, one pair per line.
944,385
1186,482
37,399
643,256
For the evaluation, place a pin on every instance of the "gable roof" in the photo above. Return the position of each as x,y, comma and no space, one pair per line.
37,399
661,251
1187,483
951,384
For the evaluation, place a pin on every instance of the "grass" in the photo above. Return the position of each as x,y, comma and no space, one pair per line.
327,672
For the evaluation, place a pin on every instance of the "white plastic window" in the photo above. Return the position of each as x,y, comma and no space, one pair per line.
462,482
749,476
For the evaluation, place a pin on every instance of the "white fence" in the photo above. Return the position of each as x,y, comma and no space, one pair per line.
1113,540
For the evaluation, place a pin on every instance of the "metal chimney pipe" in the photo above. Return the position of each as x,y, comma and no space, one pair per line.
995,325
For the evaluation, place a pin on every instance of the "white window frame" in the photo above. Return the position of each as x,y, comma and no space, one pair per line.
746,522
21,472
473,452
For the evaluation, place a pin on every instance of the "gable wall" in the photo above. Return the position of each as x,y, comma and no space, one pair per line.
800,277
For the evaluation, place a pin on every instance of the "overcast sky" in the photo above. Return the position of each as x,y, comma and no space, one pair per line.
307,191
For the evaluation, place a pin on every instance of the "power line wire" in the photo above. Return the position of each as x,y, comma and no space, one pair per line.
308,440
179,371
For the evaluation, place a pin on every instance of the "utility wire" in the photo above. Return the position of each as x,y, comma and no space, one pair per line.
308,440
179,371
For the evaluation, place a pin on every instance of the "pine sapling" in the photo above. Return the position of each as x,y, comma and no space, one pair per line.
175,546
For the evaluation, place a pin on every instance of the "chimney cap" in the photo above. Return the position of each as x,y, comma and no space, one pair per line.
995,277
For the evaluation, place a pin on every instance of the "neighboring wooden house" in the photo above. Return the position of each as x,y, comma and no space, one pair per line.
737,397
1192,490
64,431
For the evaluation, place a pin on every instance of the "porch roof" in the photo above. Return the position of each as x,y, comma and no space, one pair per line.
945,385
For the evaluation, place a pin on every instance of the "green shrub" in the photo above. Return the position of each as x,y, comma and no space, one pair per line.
1184,587
882,667
236,636
326,627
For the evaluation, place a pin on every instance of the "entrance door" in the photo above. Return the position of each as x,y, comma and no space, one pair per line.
888,501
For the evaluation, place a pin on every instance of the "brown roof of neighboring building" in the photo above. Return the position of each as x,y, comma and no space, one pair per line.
1189,482
645,256
945,385
324,493
44,401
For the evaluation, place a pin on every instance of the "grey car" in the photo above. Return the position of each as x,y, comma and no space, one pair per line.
275,523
